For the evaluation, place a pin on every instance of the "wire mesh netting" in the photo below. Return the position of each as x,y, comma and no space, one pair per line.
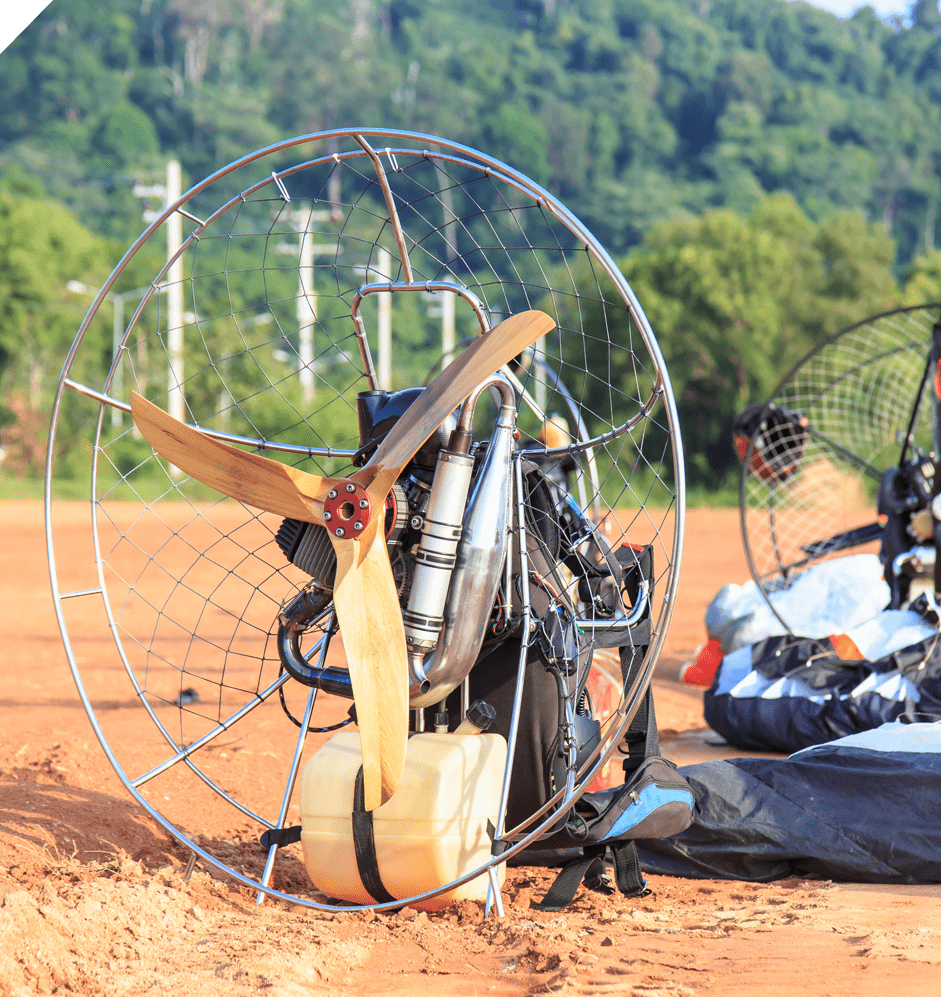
857,405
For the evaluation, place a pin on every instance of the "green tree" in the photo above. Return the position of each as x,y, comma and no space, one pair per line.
925,14
125,135
42,248
69,64
736,301
923,279
523,140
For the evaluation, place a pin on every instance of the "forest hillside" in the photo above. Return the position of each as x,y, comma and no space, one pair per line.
764,172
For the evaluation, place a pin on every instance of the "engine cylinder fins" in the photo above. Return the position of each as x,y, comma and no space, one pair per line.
308,545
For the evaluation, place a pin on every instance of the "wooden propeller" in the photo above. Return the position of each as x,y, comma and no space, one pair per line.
352,511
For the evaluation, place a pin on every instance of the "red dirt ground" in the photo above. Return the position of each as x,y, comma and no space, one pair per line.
93,898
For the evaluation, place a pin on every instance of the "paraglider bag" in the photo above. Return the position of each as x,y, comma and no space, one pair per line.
656,802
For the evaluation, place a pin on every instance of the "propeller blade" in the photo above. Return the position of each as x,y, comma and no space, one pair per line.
256,481
375,646
367,607
484,357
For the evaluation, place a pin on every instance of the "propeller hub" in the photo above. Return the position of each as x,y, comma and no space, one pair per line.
347,510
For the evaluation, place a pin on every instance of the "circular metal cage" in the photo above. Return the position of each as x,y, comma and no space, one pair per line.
274,292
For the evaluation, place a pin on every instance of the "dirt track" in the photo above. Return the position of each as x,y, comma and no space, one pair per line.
93,900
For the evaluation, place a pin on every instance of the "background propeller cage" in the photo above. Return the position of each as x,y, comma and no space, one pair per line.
857,405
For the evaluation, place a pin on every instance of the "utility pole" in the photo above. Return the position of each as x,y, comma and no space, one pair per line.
539,350
175,401
304,219
441,304
173,285
384,372
447,328
117,336
306,311
449,230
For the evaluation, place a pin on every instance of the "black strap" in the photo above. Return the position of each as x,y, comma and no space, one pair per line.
627,872
628,567
590,868
936,428
587,867
364,844
281,836
641,740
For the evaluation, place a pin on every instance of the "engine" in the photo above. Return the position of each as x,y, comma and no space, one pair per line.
447,525
308,545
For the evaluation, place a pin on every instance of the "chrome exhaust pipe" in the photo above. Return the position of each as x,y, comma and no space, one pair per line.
480,557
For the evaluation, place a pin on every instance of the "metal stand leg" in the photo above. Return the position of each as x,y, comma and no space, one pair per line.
494,896
288,792
295,766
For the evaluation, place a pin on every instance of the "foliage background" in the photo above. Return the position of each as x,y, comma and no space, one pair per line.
765,172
